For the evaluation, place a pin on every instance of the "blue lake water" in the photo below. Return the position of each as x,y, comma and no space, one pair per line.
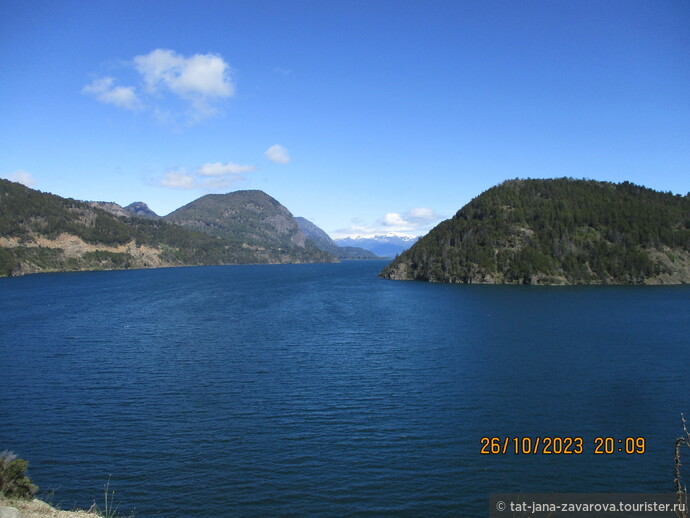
321,390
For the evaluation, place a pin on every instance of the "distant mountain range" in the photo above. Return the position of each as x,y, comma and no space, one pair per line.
383,245
560,231
325,243
219,214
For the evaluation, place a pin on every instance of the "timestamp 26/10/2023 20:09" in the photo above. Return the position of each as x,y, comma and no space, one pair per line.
561,445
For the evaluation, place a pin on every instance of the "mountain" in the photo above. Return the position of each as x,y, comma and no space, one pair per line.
41,232
254,219
383,245
561,231
140,209
111,208
325,243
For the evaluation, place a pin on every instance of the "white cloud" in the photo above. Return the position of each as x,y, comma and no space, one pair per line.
277,154
422,215
211,176
178,179
218,169
414,222
104,90
393,219
200,80
22,177
413,219
206,75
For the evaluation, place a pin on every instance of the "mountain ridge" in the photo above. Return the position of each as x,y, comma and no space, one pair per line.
41,232
138,208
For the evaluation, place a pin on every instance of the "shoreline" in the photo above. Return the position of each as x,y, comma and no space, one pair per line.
39,509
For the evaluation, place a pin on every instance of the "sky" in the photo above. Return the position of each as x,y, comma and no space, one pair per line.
362,116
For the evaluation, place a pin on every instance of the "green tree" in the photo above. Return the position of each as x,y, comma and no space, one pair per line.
14,483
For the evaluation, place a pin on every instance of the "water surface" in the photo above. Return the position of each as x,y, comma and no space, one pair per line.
293,390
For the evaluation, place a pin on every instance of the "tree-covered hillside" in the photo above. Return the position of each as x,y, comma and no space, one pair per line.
561,231
44,232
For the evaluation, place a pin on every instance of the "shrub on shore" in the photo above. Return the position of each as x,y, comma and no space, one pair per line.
14,483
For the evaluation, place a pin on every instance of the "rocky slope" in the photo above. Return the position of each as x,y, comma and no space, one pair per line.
140,209
38,509
560,231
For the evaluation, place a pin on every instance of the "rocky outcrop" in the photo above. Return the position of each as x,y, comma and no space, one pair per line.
141,210
111,208
38,509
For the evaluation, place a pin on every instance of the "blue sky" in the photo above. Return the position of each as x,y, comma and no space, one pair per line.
362,116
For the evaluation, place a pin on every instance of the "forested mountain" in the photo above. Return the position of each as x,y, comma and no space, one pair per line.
324,242
253,218
43,232
561,231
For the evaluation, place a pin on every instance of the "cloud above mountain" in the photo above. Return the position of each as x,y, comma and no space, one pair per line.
200,81
218,169
414,222
210,176
277,154
178,179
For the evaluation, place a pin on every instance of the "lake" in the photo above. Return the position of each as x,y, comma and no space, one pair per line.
321,390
